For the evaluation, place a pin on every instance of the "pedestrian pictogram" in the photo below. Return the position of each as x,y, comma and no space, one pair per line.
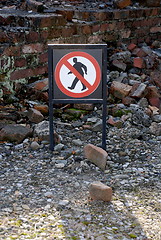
77,74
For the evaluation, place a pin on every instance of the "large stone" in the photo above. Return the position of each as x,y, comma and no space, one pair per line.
155,128
15,133
96,155
100,191
120,90
42,132
35,116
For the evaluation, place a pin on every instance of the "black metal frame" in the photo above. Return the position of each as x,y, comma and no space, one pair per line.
53,101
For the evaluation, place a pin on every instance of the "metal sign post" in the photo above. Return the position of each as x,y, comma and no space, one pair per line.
77,74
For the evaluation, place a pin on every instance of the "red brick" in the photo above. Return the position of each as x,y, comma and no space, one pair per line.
155,102
32,37
153,3
126,33
155,29
12,51
42,108
68,31
10,19
2,21
120,90
52,21
139,52
44,35
121,14
139,62
68,14
104,27
131,47
96,28
33,48
55,33
16,37
40,85
86,29
43,57
156,78
29,72
96,155
3,37
20,62
152,92
112,26
123,3
128,100
102,16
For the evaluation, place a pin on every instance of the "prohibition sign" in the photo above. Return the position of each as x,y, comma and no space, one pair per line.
90,81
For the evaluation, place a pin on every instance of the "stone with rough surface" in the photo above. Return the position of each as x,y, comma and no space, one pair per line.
100,191
15,133
96,155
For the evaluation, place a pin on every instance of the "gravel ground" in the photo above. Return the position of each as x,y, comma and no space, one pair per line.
45,195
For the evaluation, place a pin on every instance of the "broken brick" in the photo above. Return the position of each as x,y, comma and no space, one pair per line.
120,90
139,62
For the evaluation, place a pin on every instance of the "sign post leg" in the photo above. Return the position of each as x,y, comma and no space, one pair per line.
51,127
104,113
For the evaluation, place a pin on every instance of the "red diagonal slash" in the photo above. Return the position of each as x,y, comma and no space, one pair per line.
77,74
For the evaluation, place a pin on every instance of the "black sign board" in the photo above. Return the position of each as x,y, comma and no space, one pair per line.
77,74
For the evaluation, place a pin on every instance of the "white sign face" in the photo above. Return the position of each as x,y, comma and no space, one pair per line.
67,78
77,74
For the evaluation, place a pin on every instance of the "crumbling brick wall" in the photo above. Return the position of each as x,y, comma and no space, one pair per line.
24,37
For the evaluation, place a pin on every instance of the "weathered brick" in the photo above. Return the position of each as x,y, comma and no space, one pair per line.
104,27
100,191
69,31
12,51
131,47
96,155
20,62
29,72
43,57
121,14
155,29
96,28
120,90
33,48
119,64
41,85
32,37
123,3
44,35
154,101
100,15
68,14
3,37
139,62
86,29
2,21
156,78
42,108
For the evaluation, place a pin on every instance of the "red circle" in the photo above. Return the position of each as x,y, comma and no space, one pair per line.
76,54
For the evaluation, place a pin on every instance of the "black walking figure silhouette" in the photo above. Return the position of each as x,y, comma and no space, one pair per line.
81,68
